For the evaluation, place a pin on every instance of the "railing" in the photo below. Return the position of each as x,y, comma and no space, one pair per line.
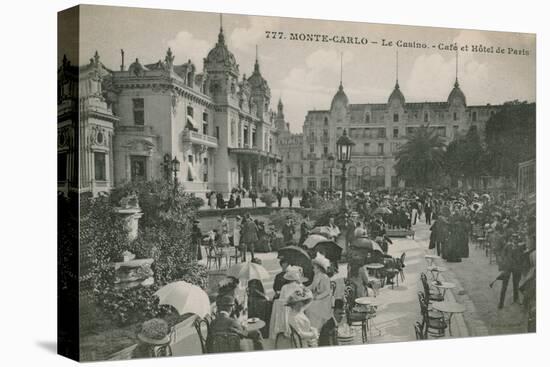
196,137
135,128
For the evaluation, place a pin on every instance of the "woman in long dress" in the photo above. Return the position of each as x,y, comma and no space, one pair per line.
320,309
298,302
279,314
237,232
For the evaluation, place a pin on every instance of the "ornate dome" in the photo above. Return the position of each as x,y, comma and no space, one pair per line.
339,98
220,57
136,68
396,95
257,81
456,95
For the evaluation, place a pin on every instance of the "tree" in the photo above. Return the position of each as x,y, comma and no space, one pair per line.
465,156
420,160
510,135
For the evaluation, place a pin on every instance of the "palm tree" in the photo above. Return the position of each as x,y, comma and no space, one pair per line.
421,159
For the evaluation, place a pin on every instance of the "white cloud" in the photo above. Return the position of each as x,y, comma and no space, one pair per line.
185,46
245,39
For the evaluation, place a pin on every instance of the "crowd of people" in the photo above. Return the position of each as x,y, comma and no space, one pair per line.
457,220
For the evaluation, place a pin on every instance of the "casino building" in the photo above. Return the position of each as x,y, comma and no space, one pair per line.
378,129
116,126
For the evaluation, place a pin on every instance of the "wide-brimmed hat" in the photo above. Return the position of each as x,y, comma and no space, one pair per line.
155,332
300,295
321,261
294,273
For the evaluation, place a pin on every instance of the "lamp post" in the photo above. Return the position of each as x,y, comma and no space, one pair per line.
167,165
331,163
175,170
344,146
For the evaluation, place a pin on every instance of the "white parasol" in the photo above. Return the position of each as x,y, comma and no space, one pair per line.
248,271
185,298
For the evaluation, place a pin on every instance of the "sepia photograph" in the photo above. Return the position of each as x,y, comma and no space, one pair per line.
236,183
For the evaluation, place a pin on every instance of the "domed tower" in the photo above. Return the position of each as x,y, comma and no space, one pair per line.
260,92
280,122
396,99
222,70
340,102
456,98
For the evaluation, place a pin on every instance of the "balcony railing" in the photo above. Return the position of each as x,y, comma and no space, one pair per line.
197,138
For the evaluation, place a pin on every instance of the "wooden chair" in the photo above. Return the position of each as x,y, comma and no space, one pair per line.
402,266
432,325
296,338
235,256
430,295
355,318
213,254
418,331
202,325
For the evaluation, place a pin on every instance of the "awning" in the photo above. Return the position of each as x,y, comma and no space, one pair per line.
192,123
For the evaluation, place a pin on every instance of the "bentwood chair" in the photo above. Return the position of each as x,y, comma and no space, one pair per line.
432,325
223,343
431,296
355,317
202,325
418,331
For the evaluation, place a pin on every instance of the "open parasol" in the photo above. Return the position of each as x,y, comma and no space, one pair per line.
248,271
314,239
330,249
298,256
366,243
185,298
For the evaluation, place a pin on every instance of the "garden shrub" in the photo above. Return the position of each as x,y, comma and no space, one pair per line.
268,198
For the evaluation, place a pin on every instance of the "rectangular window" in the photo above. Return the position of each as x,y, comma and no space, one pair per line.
139,111
441,131
205,123
395,132
366,148
382,133
474,116
380,148
189,111
205,170
312,184
426,117
138,168
217,132
311,168
312,148
62,167
100,169
395,117
367,118
325,150
455,116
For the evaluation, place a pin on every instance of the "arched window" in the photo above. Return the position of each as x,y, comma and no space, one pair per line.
380,171
366,172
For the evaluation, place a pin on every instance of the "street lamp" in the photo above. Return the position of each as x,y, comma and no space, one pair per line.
175,170
331,163
167,166
344,146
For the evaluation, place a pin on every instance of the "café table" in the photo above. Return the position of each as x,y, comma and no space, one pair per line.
253,325
442,287
375,267
435,270
370,302
449,308
431,258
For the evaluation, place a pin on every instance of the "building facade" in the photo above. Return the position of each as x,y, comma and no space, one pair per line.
378,130
132,122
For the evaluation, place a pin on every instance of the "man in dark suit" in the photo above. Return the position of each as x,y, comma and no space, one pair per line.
224,324
329,332
288,231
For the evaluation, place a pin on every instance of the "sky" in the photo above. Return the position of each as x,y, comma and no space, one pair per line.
306,75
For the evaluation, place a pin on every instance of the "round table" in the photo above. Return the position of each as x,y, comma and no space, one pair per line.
443,286
435,270
375,267
253,326
431,258
449,308
370,301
